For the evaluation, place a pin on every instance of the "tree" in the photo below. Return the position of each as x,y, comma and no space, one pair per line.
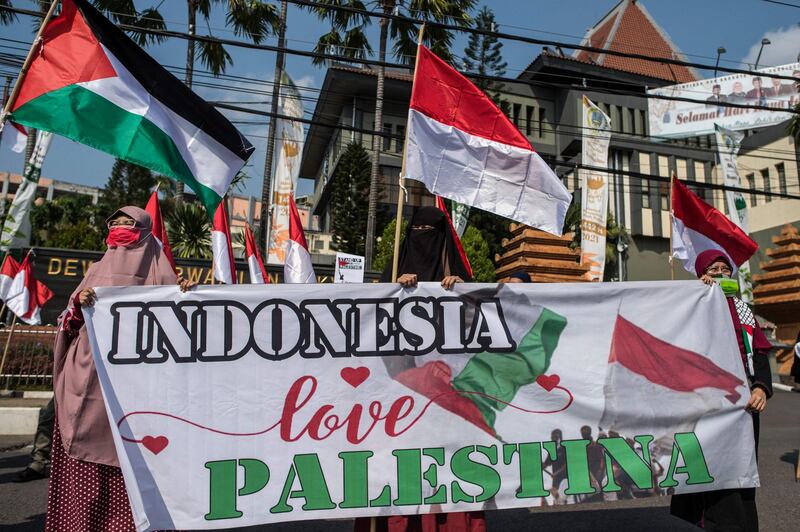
477,250
129,184
125,12
189,231
350,199
493,228
385,249
70,222
347,39
484,56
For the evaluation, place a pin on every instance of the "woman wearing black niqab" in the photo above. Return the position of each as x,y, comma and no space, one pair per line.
428,252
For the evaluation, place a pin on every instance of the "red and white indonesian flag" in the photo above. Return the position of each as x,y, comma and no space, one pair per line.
159,229
91,83
224,266
15,137
258,275
462,147
29,296
8,271
647,377
697,227
298,267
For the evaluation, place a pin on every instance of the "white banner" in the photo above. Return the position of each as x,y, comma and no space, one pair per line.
17,228
594,188
728,143
286,167
670,118
349,268
244,405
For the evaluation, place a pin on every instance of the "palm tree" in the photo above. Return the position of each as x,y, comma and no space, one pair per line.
189,230
347,39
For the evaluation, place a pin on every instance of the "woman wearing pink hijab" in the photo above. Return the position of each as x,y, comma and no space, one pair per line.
732,509
87,491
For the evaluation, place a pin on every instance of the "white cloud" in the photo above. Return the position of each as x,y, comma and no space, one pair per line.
784,48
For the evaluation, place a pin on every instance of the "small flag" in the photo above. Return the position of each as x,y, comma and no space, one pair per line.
91,83
258,275
697,227
224,266
464,259
159,229
647,375
8,271
31,295
462,147
15,137
298,267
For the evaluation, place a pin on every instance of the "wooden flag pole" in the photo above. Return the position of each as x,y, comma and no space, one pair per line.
671,236
401,196
37,41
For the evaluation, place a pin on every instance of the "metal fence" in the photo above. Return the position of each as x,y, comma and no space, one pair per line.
28,360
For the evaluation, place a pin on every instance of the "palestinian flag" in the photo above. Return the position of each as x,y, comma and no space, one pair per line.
649,378
477,388
91,83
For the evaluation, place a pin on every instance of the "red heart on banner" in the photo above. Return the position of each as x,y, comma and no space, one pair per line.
155,444
548,382
355,376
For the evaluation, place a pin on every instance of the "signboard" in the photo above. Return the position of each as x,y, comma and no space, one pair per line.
348,268
594,188
669,118
335,401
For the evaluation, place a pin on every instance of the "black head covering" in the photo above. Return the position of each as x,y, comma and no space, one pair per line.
431,254
522,275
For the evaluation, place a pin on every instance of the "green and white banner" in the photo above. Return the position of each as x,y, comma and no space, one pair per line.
244,405
17,227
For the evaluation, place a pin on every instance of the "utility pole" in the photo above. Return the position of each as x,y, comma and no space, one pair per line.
265,221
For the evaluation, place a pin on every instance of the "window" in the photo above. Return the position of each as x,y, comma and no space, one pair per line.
643,121
387,141
664,190
751,184
781,169
541,121
628,125
767,184
400,132
645,194
528,120
517,111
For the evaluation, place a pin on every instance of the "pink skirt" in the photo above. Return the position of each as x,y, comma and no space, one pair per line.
84,495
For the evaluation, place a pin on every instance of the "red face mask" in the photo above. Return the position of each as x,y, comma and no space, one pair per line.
122,236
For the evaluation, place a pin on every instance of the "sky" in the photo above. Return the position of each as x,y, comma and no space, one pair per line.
698,28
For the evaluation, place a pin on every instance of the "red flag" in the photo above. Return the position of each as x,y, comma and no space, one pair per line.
464,259
159,229
7,273
297,267
224,266
258,274
30,294
698,227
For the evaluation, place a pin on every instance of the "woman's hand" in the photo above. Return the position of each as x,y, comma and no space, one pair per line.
87,297
185,284
449,281
758,401
707,279
408,280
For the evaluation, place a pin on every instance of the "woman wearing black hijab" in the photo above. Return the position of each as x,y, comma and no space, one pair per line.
428,252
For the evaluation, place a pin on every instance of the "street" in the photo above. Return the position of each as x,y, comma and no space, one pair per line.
22,506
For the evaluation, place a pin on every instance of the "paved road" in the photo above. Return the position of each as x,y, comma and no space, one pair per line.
22,506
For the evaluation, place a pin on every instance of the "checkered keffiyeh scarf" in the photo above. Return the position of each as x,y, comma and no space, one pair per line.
748,321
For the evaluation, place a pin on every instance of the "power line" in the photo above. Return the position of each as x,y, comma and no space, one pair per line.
782,3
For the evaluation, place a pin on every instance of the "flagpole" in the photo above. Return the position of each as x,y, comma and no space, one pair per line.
401,196
671,214
3,309
37,41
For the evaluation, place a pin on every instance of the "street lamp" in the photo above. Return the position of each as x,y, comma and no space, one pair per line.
721,50
764,42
